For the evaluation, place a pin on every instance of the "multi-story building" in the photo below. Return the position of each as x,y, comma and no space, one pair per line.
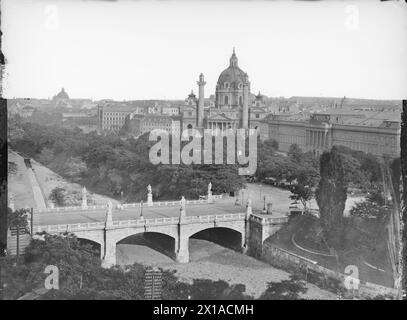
378,133
137,124
230,109
112,116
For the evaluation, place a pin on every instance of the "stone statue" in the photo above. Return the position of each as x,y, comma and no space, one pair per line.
183,204
149,196
249,207
109,211
210,198
11,201
84,198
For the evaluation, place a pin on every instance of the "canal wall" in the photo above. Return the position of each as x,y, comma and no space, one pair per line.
325,278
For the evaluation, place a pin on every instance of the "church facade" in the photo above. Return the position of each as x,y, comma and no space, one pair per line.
230,108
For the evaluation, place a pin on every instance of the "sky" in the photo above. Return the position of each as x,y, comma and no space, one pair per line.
127,50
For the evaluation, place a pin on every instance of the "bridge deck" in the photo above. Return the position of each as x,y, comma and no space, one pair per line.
99,215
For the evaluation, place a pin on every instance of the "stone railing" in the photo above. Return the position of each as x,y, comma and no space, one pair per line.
213,218
71,208
125,205
57,228
163,203
138,222
269,219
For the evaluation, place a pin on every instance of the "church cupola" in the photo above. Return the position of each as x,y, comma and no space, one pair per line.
233,59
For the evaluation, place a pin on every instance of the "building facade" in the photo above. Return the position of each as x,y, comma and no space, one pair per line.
231,106
378,135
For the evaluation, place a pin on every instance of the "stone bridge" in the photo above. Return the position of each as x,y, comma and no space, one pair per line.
254,229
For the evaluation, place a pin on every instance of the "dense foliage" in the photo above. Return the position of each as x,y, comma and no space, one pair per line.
81,276
331,197
109,164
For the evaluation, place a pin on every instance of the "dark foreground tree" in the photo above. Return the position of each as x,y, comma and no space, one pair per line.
285,290
331,197
304,188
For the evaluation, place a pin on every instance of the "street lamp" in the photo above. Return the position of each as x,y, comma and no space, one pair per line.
264,206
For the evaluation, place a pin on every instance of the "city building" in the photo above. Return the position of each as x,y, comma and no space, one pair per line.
137,124
230,108
377,133
112,116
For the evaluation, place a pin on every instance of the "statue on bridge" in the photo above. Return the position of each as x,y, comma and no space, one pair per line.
249,207
182,209
11,201
149,196
210,198
84,198
109,213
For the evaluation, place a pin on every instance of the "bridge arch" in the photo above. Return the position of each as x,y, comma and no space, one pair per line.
225,236
146,247
125,233
96,245
198,228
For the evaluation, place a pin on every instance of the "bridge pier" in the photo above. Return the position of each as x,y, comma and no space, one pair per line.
109,257
182,254
181,246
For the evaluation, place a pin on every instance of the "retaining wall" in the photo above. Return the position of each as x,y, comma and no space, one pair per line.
331,279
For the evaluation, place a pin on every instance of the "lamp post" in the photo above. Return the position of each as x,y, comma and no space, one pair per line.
264,205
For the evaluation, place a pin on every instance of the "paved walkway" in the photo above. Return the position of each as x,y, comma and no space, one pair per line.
38,194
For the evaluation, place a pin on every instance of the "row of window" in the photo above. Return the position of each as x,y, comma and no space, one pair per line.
226,85
226,100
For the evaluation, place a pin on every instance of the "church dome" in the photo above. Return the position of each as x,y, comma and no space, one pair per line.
233,77
62,94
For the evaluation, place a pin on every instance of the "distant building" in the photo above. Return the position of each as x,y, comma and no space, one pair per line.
227,109
61,99
112,116
378,134
137,124
27,111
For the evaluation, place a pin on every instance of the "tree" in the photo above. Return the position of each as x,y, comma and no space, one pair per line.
57,196
295,153
17,218
285,290
331,197
304,188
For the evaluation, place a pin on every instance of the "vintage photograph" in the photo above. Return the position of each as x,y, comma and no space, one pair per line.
202,150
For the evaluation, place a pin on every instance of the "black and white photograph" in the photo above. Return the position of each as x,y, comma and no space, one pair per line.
203,150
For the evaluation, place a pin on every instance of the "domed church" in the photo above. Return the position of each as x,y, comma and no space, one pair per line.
229,89
231,108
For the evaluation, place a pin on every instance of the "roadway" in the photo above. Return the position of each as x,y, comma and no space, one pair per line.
221,206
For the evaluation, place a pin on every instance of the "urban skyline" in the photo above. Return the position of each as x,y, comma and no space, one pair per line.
334,53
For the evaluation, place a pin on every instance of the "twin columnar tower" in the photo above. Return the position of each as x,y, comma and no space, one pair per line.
200,112
232,99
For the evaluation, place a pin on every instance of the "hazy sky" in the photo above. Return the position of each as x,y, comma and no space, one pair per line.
156,49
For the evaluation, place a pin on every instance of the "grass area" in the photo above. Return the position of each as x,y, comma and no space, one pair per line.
356,251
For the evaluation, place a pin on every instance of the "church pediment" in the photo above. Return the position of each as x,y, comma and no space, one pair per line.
219,117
